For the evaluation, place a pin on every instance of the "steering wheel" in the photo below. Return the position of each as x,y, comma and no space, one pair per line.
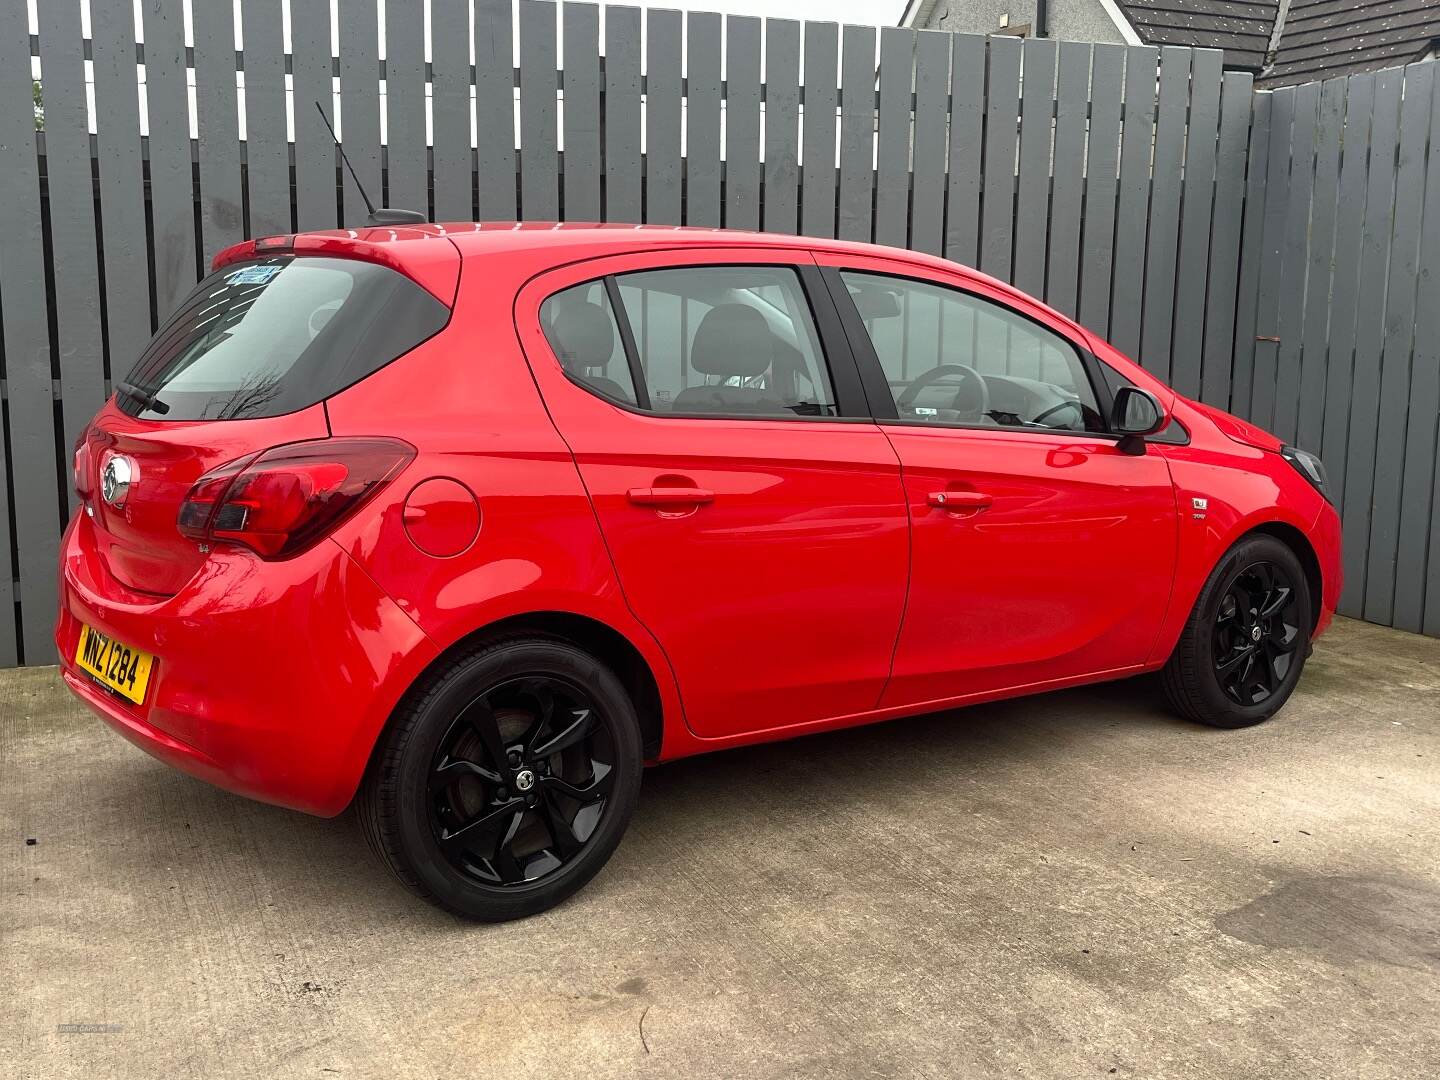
1040,420
971,382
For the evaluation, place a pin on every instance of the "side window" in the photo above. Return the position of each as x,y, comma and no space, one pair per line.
581,328
729,340
953,358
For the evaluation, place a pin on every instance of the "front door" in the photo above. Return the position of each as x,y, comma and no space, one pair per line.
1041,551
755,516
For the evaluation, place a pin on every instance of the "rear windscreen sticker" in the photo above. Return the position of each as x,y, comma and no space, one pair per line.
253,275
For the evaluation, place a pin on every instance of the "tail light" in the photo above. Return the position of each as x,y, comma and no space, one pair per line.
281,501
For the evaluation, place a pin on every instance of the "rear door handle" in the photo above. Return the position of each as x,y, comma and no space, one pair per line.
960,502
670,496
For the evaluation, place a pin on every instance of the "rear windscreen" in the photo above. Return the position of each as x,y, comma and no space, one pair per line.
277,334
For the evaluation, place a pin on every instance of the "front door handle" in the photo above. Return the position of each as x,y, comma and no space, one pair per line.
960,502
670,496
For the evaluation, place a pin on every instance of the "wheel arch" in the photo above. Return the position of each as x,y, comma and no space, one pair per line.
589,634
1198,558
1298,543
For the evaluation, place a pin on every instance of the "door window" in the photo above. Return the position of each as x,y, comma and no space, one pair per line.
727,340
953,358
581,328
708,341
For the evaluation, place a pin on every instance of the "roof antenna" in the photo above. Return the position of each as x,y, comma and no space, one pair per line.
384,215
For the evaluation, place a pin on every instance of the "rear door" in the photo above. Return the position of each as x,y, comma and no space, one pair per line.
754,512
1041,551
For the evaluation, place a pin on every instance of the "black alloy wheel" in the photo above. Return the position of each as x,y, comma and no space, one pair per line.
1257,632
1243,648
505,780
520,781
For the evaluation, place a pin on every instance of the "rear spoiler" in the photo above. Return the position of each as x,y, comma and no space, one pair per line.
422,253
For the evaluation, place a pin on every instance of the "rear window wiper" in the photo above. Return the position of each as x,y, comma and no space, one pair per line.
150,401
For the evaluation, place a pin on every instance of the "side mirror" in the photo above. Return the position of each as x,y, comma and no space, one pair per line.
1135,414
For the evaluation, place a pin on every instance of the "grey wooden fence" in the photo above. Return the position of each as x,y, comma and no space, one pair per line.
1269,253
1347,354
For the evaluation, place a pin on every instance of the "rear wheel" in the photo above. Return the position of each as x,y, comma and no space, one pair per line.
506,781
1243,649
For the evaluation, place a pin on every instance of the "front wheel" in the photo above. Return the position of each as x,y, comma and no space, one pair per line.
506,780
1243,648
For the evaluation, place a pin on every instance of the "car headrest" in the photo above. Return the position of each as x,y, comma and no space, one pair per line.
733,339
875,301
584,336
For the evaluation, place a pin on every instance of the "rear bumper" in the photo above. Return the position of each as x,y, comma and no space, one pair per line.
271,679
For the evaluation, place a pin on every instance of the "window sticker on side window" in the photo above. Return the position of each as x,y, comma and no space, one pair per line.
253,275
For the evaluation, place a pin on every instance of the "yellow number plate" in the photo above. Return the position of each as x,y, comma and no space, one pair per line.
123,669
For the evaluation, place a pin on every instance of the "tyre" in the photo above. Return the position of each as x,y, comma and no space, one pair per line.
505,780
1244,646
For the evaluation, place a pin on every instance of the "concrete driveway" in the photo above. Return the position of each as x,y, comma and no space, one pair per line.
1067,886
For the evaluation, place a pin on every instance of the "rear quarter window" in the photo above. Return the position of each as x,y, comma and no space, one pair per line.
272,335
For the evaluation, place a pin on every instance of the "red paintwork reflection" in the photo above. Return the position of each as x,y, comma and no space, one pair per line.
1066,573
441,517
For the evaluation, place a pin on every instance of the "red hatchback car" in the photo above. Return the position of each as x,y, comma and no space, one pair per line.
466,523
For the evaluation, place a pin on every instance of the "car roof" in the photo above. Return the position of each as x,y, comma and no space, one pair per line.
557,243
592,240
